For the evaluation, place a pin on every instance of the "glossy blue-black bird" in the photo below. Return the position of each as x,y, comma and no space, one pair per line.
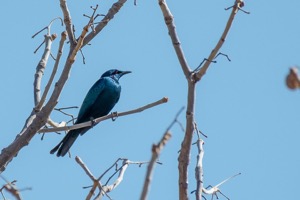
99,101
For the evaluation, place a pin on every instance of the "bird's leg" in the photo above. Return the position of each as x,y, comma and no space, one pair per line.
114,116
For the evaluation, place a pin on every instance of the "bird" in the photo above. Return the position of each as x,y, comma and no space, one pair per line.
98,102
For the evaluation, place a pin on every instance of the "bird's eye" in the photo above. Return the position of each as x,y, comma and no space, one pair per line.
116,72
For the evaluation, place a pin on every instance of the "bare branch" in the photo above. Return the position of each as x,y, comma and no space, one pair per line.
68,21
199,169
85,168
104,189
41,68
59,53
169,20
156,149
79,43
92,177
109,16
221,41
48,27
184,156
90,123
11,188
214,189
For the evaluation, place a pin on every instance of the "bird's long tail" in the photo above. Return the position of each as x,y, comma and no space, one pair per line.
66,143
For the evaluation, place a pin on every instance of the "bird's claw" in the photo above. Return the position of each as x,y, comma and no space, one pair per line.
114,116
93,122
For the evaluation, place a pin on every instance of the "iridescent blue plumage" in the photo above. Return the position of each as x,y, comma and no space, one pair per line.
99,101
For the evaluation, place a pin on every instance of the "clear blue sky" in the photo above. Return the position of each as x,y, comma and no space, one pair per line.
250,117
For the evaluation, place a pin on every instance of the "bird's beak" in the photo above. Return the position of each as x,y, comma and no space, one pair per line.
125,72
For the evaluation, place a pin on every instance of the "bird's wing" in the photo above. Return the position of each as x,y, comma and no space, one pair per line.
90,99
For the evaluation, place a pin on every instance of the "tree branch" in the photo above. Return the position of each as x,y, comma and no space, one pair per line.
36,120
184,156
109,16
199,169
104,189
156,149
221,41
214,189
68,22
169,20
41,68
91,123
59,53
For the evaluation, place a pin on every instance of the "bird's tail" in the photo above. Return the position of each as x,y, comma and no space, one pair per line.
66,143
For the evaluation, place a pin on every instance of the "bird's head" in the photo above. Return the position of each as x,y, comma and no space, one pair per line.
115,74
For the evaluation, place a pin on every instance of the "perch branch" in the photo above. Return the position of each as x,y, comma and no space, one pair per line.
90,123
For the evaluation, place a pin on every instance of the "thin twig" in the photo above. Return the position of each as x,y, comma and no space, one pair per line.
214,189
48,27
90,123
104,189
79,43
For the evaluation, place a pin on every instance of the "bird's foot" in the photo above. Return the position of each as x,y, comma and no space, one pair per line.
93,122
114,116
